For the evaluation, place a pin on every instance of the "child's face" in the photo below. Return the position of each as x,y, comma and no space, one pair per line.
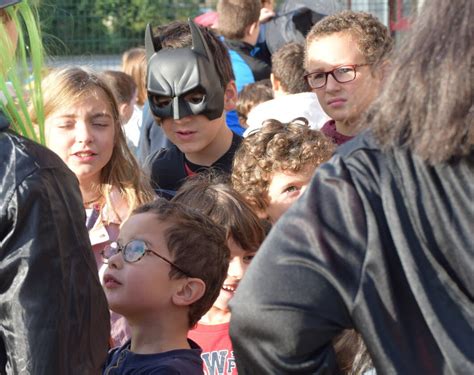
143,287
193,134
343,102
196,134
284,189
239,262
83,135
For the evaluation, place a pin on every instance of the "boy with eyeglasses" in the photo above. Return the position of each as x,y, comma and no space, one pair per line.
346,58
164,272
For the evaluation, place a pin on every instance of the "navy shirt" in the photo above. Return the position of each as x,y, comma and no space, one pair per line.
180,361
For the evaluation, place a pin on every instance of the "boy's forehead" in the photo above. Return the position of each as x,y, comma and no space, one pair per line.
331,50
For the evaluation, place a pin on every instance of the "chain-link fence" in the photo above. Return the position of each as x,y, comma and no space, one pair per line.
97,32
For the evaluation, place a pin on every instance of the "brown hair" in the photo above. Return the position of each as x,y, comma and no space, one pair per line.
427,102
134,64
178,35
351,353
197,245
373,38
251,95
288,68
276,147
123,86
235,16
62,88
218,200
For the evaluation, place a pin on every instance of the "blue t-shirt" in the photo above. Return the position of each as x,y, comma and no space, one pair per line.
122,361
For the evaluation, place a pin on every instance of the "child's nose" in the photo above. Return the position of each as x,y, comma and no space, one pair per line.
115,261
236,268
83,133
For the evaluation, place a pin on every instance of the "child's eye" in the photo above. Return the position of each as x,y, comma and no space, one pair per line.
291,189
248,258
195,98
65,125
162,101
101,124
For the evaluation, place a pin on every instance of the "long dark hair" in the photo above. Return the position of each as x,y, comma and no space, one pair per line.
427,102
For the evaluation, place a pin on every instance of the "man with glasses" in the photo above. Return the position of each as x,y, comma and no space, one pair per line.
346,56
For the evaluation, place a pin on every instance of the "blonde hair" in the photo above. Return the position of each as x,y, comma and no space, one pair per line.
64,87
134,64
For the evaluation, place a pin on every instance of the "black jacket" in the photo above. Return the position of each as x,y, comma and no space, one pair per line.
168,167
53,312
379,242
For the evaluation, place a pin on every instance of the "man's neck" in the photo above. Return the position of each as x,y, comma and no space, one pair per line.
153,336
214,150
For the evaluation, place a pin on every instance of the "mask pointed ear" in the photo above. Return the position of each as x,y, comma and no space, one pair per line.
151,45
199,44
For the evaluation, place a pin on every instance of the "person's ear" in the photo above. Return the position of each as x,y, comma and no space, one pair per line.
188,292
253,28
230,96
275,83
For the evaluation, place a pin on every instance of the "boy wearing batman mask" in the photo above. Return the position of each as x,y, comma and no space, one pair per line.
190,86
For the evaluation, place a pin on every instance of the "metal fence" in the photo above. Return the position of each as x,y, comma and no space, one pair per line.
97,32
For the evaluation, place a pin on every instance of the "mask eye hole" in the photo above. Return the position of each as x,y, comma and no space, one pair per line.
194,97
161,101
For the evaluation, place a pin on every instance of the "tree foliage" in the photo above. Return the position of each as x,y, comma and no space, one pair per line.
106,26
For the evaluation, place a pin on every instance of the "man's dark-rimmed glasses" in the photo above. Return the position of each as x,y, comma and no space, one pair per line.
134,251
342,74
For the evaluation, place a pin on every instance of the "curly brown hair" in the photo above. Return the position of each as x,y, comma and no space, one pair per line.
276,147
373,38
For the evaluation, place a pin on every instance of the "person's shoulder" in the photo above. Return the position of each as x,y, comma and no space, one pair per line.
23,158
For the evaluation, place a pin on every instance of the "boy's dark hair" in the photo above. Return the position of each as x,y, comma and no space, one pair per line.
250,96
288,68
123,86
215,198
235,16
197,245
178,35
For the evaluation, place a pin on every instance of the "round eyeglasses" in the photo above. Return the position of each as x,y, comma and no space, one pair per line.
342,74
134,251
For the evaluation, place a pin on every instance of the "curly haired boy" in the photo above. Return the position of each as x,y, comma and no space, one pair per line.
274,165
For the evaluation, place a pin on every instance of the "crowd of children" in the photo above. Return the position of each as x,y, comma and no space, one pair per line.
177,199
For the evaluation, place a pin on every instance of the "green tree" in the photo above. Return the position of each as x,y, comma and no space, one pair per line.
106,26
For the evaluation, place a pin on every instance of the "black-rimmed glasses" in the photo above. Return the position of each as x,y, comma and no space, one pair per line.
342,74
134,251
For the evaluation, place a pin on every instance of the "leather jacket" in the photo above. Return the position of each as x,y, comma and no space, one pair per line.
53,312
380,242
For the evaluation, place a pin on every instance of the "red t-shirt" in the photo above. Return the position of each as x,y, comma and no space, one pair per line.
329,130
217,353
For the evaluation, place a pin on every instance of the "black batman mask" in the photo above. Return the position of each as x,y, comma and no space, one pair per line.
173,73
